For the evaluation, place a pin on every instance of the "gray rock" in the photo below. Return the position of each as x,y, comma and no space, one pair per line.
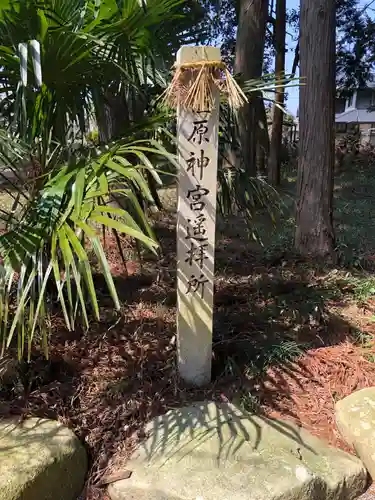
40,460
216,452
369,495
355,418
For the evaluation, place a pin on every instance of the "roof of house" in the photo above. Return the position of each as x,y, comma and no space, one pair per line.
356,116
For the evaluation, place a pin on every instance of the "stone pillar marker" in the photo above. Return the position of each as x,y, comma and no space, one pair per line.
197,135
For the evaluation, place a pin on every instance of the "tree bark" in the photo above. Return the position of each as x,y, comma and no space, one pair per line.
249,63
314,228
112,116
277,114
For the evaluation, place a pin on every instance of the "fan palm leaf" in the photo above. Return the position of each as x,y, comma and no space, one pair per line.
48,239
54,221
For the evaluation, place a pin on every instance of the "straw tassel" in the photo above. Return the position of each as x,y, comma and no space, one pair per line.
193,86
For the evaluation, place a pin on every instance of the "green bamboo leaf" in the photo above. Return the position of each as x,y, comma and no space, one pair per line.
123,228
41,299
59,287
43,25
82,256
21,335
86,209
139,212
124,214
77,278
74,243
124,162
94,193
132,174
66,254
146,162
59,282
9,277
78,191
90,287
109,210
88,230
127,170
159,149
98,249
31,308
70,263
103,183
21,305
59,181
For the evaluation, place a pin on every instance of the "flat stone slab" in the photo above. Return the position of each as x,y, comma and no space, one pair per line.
214,451
369,495
40,460
355,418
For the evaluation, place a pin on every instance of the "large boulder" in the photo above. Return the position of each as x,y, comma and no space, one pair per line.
40,460
214,451
355,418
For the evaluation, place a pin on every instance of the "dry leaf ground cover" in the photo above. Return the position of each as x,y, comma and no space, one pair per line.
290,336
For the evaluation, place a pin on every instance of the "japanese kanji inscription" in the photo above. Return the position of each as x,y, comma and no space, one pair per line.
198,156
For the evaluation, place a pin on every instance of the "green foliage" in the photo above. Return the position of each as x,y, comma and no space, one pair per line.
364,289
239,193
96,56
354,204
362,338
248,402
283,353
47,239
63,191
245,356
89,50
93,137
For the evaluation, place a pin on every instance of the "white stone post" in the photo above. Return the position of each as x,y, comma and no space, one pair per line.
197,135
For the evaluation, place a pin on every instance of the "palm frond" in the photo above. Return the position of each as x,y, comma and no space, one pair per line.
45,247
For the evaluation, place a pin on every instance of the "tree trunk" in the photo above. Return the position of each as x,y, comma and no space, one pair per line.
278,115
112,116
249,63
314,228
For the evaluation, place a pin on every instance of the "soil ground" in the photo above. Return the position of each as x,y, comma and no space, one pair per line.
291,336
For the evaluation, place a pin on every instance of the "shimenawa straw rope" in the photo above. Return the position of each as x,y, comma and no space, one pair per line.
194,86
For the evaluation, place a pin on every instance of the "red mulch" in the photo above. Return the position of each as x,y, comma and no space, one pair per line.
108,382
306,392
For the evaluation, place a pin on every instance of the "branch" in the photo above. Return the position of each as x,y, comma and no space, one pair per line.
295,64
272,7
271,20
296,60
272,35
367,6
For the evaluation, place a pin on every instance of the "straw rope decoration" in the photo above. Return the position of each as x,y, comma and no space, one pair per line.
193,86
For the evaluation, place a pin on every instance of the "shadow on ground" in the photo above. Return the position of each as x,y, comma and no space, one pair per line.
276,319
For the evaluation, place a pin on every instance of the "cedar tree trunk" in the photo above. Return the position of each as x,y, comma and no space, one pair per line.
314,228
277,114
249,63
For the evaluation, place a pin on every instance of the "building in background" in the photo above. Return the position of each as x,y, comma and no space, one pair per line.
356,114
